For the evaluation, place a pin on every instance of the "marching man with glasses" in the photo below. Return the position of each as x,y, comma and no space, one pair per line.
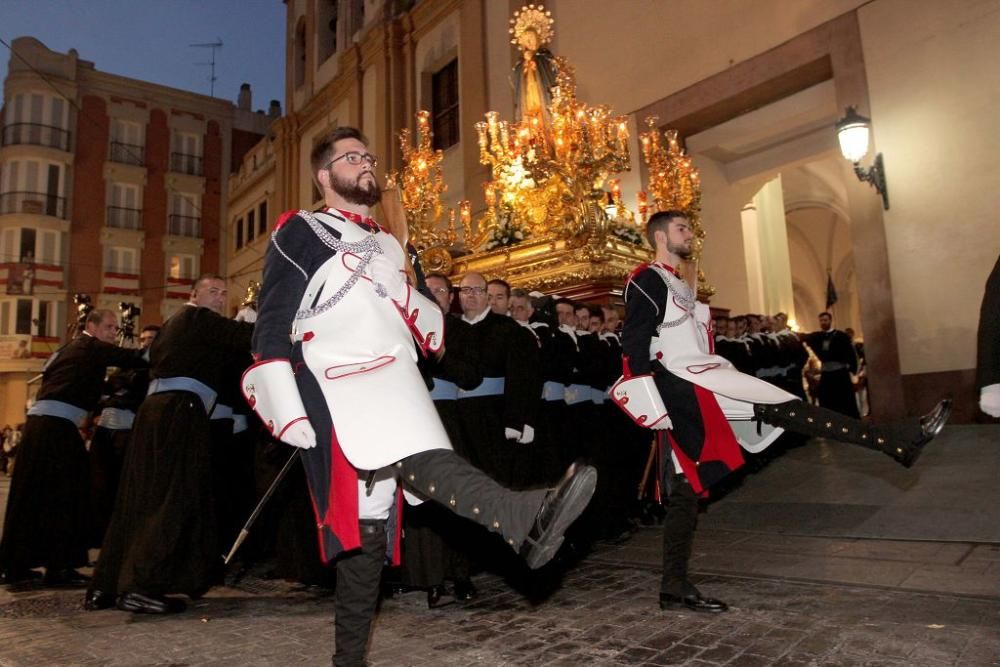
337,338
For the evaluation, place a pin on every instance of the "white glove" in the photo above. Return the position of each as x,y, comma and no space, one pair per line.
389,280
989,400
525,437
270,389
299,434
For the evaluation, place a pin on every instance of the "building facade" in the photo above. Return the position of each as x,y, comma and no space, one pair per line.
111,188
754,90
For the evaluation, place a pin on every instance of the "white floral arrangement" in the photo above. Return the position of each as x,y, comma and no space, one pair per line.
506,233
628,233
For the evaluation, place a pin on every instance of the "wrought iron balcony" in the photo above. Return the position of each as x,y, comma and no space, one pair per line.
36,134
186,164
127,153
124,218
36,203
184,225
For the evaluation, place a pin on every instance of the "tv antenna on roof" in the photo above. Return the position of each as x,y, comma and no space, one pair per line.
217,44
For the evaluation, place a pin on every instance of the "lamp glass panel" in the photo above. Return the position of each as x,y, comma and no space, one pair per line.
853,142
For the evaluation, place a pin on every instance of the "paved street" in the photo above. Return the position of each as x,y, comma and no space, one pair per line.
806,583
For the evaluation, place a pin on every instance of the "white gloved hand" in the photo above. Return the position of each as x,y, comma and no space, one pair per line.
525,436
387,275
299,434
270,389
989,400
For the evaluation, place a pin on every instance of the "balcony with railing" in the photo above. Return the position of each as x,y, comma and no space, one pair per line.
36,134
184,225
123,153
35,203
184,163
120,217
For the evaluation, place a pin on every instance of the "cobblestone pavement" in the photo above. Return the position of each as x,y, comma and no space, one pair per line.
603,613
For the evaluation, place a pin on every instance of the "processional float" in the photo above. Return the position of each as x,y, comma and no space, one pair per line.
553,218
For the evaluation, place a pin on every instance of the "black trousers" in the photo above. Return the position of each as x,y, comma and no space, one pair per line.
358,574
679,523
448,479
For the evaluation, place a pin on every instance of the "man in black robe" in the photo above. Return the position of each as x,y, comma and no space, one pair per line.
988,346
433,545
499,415
126,390
163,533
836,350
47,511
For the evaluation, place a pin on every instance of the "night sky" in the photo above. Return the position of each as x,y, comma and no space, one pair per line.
149,40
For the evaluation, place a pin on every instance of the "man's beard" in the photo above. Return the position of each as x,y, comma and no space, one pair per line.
355,193
679,250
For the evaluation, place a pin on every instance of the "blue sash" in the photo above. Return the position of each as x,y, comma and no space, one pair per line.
444,390
181,383
553,391
488,387
577,393
51,408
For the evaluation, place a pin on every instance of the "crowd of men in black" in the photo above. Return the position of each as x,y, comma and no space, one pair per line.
522,393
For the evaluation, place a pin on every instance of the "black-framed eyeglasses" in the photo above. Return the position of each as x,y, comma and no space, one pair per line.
440,290
472,290
355,158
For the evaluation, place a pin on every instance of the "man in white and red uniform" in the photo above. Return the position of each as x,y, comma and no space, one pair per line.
336,375
714,409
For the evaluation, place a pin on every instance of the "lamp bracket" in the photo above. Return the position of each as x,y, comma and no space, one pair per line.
875,176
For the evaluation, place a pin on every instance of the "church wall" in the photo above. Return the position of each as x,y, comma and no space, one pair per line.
628,54
934,120
434,50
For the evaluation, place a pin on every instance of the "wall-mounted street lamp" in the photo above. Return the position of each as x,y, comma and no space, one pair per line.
853,132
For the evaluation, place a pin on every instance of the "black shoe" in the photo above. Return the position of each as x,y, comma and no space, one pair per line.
561,508
438,596
464,590
138,603
12,577
96,600
65,578
693,602
930,426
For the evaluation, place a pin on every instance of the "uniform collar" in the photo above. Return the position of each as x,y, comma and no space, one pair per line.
669,268
365,222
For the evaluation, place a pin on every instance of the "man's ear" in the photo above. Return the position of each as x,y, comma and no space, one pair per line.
322,177
660,236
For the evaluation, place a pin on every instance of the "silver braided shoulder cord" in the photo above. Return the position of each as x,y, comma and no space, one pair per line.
365,249
685,297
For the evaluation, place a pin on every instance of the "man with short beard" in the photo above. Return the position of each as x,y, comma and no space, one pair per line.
714,409
337,339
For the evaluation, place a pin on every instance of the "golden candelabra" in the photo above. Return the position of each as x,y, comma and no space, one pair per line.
548,168
421,184
548,223
674,184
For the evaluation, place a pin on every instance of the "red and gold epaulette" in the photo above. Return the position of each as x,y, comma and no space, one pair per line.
283,218
636,271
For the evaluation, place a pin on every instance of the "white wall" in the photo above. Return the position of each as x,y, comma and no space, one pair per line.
934,82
